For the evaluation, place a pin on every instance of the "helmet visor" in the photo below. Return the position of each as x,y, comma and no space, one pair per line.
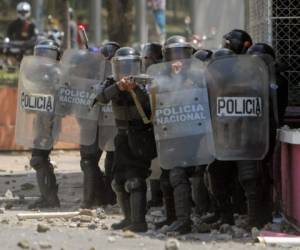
178,53
125,67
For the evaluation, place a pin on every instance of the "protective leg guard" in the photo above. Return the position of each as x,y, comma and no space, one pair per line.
168,198
46,182
90,175
182,197
123,200
137,188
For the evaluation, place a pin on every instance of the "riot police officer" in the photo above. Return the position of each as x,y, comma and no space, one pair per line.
152,54
22,29
97,186
134,142
278,104
40,160
175,182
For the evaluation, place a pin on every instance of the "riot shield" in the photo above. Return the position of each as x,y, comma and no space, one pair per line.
82,70
36,124
182,123
107,128
239,101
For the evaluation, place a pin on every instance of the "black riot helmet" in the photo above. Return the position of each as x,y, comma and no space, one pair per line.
261,49
126,62
47,48
177,48
203,55
109,49
239,41
222,52
151,54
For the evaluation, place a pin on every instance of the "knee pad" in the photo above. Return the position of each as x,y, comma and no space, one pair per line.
118,187
135,184
247,170
178,176
38,162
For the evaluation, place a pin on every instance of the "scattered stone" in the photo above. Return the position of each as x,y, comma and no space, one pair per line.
104,226
50,221
92,226
5,221
87,212
157,213
92,248
75,219
27,168
9,194
7,182
97,220
2,210
85,218
24,244
73,225
238,233
27,186
45,245
101,214
172,244
42,228
111,239
254,233
128,234
8,206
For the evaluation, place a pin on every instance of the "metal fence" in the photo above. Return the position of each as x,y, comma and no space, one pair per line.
277,22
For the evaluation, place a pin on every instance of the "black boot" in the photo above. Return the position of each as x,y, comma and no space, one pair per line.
100,188
89,184
168,198
123,200
137,189
156,194
110,195
182,197
226,210
200,194
48,188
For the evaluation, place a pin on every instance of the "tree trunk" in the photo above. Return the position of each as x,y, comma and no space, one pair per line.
119,20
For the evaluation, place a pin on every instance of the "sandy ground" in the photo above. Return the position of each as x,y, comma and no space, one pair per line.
76,233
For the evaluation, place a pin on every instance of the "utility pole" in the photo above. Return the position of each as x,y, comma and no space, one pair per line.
95,26
65,18
141,21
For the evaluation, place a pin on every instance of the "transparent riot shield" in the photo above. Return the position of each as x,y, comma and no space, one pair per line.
239,101
182,123
36,124
82,70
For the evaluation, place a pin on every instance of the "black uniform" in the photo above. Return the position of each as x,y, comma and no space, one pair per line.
40,160
134,150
